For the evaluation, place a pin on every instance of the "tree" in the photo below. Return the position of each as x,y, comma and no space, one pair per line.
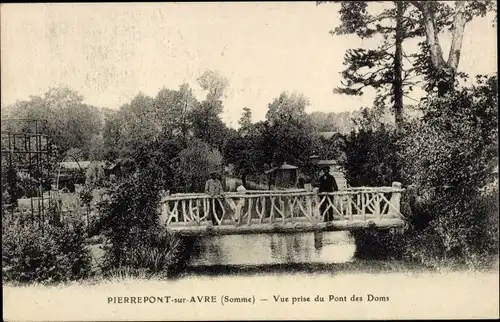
246,151
70,123
383,69
378,68
205,120
332,121
287,133
172,110
195,164
246,119
287,107
442,72
138,124
207,125
215,85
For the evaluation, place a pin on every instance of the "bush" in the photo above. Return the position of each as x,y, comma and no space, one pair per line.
445,160
130,221
464,232
370,157
447,156
54,253
160,252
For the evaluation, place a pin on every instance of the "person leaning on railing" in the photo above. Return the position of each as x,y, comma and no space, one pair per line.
213,188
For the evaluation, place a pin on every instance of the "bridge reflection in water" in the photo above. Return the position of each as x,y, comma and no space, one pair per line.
259,249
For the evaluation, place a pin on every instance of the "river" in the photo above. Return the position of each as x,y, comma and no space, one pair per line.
269,249
293,276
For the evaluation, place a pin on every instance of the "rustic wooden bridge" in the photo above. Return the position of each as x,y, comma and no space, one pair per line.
278,211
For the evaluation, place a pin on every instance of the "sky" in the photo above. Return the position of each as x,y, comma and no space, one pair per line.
111,52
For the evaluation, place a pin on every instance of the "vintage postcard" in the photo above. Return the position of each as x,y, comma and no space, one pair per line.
249,160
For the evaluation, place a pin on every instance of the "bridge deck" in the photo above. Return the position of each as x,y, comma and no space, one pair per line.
299,225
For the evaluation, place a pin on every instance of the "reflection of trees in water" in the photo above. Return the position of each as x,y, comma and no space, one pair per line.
318,241
271,249
276,246
209,249
290,248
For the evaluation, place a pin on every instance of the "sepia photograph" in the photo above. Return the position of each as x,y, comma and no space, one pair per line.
186,161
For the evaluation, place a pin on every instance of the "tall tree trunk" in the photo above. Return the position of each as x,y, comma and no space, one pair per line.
446,70
184,125
398,68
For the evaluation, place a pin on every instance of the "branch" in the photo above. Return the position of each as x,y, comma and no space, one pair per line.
380,17
411,98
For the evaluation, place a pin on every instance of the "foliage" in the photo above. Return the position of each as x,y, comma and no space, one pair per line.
161,252
166,131
245,151
387,68
287,108
130,221
172,110
332,122
207,125
370,156
379,68
195,164
453,143
286,135
69,121
215,85
448,157
435,16
130,211
445,160
54,253
246,119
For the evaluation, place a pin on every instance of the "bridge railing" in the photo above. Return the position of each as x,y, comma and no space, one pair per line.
282,206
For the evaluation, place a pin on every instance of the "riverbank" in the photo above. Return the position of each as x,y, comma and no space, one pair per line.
409,294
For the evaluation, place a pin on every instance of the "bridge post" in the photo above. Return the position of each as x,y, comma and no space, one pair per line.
163,212
395,200
309,207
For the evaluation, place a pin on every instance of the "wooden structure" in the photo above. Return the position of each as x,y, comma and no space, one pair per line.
275,211
26,159
285,176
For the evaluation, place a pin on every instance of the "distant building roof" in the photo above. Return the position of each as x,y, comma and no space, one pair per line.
78,165
327,162
327,135
284,166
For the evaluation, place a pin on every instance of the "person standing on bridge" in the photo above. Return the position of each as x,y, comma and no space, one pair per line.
327,184
213,188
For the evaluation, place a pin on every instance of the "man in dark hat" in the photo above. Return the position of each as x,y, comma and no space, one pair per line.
327,184
213,188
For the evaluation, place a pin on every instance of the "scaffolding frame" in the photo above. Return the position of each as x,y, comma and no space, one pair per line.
26,151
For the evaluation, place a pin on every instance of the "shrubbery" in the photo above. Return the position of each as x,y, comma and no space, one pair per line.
445,160
130,221
54,253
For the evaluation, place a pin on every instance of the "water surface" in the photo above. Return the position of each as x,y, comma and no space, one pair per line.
268,249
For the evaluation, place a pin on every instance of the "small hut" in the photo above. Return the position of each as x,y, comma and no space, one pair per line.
284,176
